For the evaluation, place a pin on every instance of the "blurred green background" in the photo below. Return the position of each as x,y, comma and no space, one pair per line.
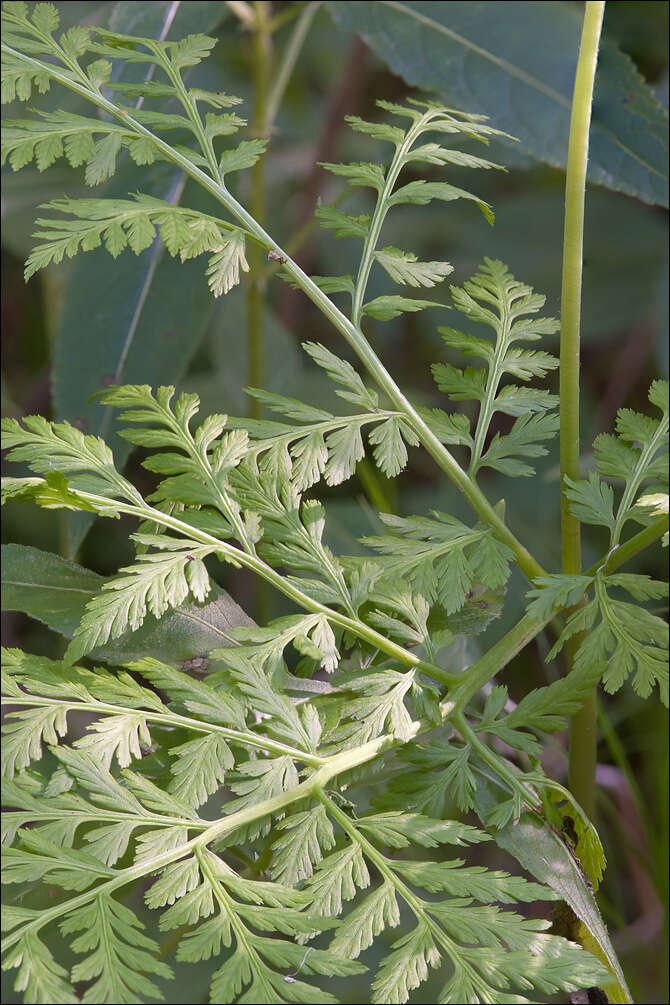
50,340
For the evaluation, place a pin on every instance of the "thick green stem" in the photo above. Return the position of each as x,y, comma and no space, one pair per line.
583,731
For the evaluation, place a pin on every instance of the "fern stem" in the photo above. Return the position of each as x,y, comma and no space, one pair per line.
381,210
639,474
486,411
497,657
630,548
176,721
356,339
353,334
583,730
501,767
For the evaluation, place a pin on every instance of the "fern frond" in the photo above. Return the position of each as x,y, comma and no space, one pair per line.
403,266
494,298
124,223
635,455
441,557
198,473
451,929
50,135
624,639
118,954
157,581
49,447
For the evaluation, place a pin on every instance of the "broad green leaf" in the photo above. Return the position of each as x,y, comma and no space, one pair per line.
540,850
515,62
55,591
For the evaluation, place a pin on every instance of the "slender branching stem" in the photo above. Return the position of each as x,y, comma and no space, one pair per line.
583,732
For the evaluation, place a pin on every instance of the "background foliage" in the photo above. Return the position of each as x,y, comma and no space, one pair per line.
155,321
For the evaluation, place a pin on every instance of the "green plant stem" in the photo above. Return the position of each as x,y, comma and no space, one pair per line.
655,530
583,737
267,99
256,287
286,15
501,767
352,334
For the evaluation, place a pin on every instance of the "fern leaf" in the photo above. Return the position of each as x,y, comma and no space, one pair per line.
386,308
336,880
200,768
24,732
378,911
636,454
404,268
343,224
407,966
121,736
365,175
118,954
40,977
380,706
341,372
225,264
303,839
421,193
157,581
59,447
493,297
441,557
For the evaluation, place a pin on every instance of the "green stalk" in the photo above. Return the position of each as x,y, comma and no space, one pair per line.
267,99
261,63
584,724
